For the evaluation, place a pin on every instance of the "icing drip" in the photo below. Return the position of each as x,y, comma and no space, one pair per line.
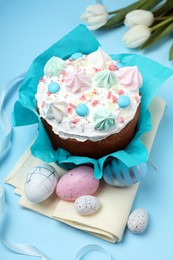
103,119
76,81
105,79
130,77
54,66
99,59
56,110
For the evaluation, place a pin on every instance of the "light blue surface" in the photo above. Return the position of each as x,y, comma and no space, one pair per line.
27,29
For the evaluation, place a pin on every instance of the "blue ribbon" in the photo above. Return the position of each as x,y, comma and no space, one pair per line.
34,251
4,122
18,248
86,249
2,199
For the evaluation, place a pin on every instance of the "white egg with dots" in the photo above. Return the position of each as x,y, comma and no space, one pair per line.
138,220
87,205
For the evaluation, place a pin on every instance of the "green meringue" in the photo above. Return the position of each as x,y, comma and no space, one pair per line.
103,119
105,79
53,66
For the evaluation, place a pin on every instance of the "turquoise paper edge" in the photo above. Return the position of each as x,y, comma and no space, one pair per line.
81,39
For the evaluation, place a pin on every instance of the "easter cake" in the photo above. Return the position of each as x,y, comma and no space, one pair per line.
88,105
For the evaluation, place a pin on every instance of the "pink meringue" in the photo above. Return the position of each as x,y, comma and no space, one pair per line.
77,81
130,77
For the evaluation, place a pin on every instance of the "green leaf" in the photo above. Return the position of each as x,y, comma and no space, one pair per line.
171,53
164,8
119,17
149,4
158,35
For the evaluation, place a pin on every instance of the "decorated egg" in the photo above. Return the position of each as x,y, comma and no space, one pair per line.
40,183
86,205
137,221
116,173
77,182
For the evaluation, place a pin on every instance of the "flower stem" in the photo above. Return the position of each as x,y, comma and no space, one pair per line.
123,8
161,18
114,12
162,23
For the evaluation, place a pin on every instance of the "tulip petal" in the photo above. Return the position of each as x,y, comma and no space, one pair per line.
139,17
136,36
95,16
97,19
96,9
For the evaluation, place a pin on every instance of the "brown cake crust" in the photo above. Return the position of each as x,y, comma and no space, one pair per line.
97,149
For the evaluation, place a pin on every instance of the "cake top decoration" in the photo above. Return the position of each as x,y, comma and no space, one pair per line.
99,58
53,87
55,111
123,101
130,77
54,66
105,79
82,110
76,55
76,81
103,119
86,97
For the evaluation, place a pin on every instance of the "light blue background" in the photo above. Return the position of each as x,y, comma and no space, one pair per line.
27,28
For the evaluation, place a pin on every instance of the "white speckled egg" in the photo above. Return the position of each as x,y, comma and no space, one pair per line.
40,183
138,220
86,205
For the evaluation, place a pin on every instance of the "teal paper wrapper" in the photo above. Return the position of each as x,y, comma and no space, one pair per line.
82,40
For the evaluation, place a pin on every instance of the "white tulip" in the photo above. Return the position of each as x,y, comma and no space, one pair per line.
95,16
139,17
136,36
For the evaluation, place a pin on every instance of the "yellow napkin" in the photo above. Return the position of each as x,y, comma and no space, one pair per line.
110,221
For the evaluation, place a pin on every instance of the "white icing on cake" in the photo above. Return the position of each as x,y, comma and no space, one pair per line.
80,83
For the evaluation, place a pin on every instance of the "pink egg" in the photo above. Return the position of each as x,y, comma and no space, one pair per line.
77,182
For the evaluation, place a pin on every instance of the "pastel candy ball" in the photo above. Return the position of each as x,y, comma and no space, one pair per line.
138,220
40,183
123,101
82,110
77,182
86,205
53,87
76,55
